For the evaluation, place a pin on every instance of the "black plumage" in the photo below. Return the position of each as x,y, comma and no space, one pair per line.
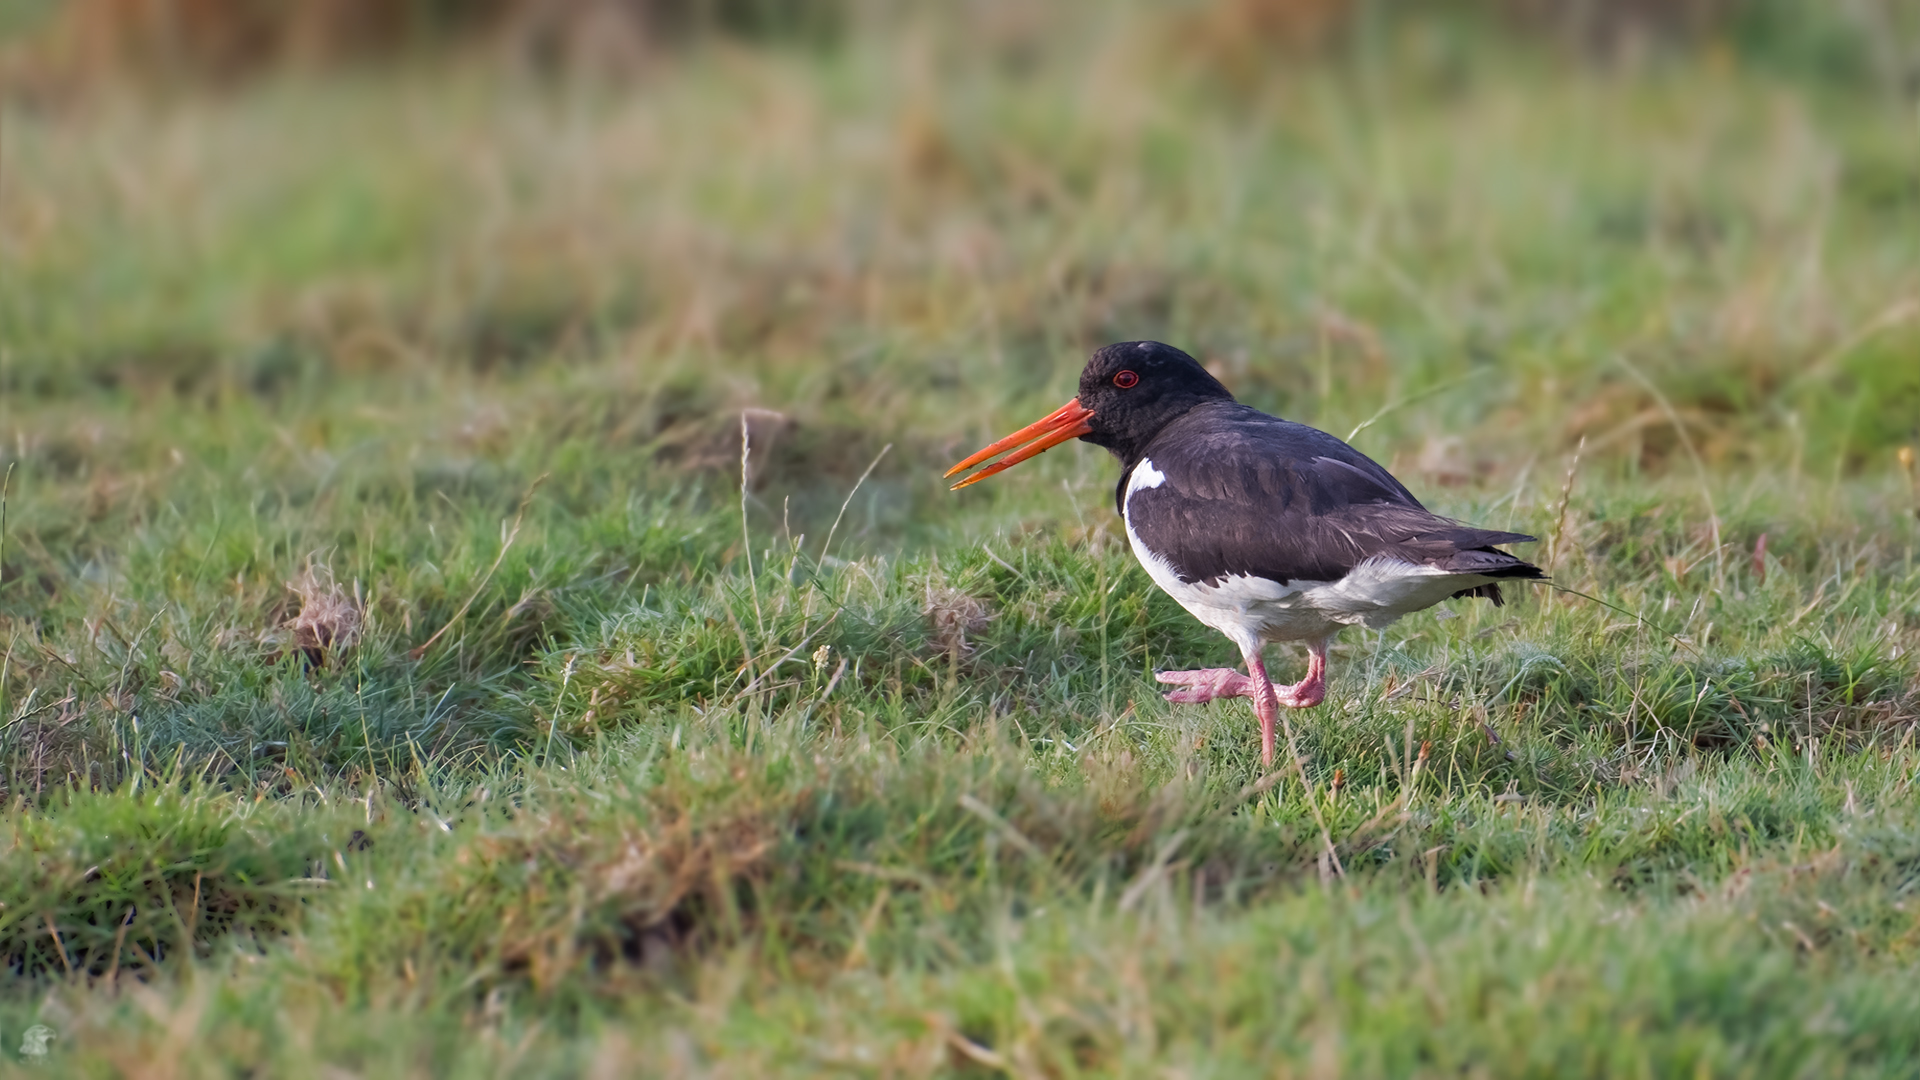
1254,495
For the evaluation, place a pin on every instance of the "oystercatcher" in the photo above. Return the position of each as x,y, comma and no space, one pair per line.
1262,528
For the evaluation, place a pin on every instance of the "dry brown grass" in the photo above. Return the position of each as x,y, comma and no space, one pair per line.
952,615
329,619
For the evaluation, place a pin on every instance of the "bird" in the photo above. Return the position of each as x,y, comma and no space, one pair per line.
1264,529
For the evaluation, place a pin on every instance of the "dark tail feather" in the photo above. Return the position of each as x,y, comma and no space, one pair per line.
1502,565
1471,552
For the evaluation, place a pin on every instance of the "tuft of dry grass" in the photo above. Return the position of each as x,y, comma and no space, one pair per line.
952,615
329,620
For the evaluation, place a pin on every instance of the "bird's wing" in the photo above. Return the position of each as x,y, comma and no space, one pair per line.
1243,493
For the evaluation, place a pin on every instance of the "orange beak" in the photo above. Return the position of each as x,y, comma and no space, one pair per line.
1069,421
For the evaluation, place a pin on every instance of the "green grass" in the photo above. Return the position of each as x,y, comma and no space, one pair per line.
396,681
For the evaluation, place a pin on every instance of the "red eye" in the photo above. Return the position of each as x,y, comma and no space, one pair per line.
1126,380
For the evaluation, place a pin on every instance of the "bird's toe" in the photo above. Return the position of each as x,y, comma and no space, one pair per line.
1198,696
1204,685
1196,677
1304,696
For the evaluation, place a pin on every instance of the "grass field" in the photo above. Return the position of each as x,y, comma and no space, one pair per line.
408,670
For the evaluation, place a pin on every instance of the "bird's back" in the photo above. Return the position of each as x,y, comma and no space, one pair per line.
1226,490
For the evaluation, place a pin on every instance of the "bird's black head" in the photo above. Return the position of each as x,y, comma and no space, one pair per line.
1135,388
1128,392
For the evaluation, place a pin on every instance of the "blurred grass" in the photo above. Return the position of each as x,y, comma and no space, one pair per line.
385,632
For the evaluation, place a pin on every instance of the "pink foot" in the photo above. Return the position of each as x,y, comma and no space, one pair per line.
1304,694
1214,684
1211,684
1206,684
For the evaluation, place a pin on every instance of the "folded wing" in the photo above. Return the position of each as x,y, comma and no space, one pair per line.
1242,493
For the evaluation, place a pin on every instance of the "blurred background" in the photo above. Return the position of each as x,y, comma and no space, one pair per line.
453,235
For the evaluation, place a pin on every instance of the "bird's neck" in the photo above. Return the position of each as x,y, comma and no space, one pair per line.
1130,443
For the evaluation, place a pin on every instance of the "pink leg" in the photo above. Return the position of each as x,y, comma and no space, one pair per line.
1211,684
1266,706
